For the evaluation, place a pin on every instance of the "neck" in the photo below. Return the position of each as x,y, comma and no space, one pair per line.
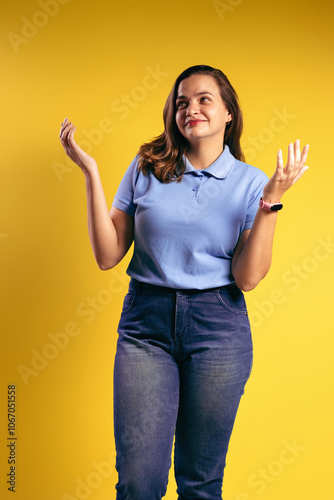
201,154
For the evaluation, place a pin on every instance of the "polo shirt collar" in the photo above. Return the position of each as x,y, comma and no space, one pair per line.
220,168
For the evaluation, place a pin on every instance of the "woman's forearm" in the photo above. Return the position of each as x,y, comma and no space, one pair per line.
253,262
102,232
110,233
252,257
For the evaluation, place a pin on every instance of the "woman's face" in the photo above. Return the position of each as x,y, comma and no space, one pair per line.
201,113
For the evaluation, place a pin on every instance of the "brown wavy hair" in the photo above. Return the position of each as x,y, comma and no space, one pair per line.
163,155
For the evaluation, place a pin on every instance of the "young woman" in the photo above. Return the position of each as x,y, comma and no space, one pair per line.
202,222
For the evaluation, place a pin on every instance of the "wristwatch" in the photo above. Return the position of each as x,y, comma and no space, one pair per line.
270,207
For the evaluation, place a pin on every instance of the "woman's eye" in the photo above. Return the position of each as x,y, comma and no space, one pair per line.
183,104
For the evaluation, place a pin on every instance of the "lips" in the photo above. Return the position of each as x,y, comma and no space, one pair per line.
194,122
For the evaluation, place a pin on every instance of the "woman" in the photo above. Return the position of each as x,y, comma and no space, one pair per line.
203,223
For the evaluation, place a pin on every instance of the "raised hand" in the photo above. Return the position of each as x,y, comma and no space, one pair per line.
285,177
73,151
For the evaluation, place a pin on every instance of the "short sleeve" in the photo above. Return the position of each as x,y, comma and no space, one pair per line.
123,199
254,199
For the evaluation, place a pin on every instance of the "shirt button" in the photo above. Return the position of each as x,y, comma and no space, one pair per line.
195,189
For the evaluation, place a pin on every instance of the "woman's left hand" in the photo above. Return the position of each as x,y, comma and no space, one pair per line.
284,178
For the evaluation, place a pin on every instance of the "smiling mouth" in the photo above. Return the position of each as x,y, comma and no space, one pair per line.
194,122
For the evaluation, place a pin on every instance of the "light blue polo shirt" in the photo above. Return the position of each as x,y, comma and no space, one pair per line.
185,232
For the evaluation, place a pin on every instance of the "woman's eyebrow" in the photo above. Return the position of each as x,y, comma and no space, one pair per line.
198,93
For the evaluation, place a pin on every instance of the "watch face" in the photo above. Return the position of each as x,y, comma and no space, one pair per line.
277,206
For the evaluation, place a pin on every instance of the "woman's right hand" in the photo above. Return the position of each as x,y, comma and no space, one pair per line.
73,151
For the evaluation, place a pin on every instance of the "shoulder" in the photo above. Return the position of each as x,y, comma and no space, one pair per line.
133,167
249,172
131,174
248,179
136,180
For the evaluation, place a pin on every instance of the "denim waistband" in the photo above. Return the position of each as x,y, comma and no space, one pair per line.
138,286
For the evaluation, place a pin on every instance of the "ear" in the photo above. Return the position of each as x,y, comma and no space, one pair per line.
228,118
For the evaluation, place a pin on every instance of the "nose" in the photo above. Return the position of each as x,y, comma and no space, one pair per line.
192,109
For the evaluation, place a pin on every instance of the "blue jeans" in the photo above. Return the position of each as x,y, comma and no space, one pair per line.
183,358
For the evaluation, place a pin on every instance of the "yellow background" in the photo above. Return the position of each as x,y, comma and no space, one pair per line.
81,62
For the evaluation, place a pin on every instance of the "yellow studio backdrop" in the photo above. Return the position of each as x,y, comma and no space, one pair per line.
108,67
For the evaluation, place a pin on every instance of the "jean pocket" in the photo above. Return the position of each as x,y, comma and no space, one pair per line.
233,300
128,302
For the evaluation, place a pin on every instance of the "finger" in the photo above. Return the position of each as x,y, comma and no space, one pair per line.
71,135
64,131
63,123
67,131
304,154
280,164
297,151
291,158
301,164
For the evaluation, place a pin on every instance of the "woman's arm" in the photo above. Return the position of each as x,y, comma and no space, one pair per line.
252,257
111,234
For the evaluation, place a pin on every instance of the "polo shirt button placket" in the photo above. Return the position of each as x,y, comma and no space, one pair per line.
196,189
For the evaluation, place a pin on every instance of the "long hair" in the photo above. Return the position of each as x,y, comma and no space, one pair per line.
163,155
